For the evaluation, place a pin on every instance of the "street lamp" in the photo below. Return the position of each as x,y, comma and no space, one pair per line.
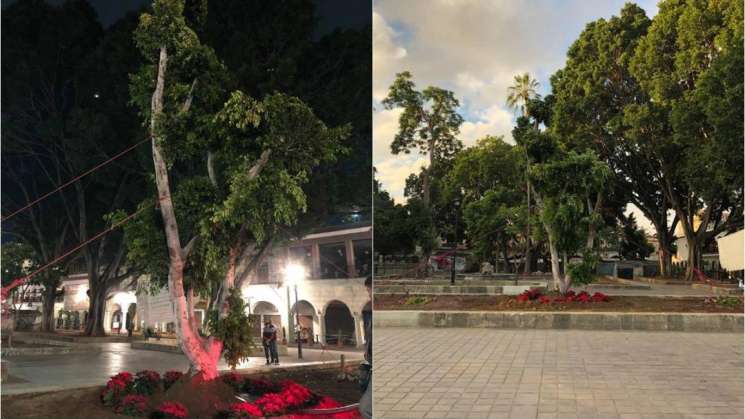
455,248
294,274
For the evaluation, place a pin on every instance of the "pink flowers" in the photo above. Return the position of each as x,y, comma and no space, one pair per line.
116,388
529,295
172,410
146,382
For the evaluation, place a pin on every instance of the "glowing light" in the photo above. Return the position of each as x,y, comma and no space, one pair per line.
81,295
294,273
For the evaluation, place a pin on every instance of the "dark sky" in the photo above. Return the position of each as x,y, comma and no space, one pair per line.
331,13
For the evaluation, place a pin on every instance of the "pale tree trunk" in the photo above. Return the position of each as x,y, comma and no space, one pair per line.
555,271
96,310
592,231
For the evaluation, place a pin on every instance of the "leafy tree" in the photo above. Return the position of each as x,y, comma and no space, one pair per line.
63,113
392,230
488,176
690,64
563,181
634,244
429,123
590,94
230,165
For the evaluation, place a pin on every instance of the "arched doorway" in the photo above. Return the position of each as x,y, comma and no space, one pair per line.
116,319
306,316
264,311
339,324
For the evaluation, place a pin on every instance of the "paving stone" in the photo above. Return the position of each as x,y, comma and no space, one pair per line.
497,373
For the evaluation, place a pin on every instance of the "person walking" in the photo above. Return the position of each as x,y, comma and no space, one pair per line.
269,340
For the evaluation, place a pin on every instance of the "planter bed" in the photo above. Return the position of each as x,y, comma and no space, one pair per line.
630,304
86,402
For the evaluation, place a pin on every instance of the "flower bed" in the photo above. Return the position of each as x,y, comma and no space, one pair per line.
534,295
145,394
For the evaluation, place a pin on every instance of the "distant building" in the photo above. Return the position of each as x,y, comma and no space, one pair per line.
333,301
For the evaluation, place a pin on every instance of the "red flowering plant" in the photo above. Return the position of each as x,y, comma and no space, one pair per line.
116,389
529,295
146,382
134,405
244,410
327,403
170,410
234,380
171,377
599,297
259,387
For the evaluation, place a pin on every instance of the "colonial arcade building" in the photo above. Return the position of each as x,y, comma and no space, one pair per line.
325,294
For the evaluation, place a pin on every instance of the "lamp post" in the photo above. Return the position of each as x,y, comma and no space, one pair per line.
455,248
293,275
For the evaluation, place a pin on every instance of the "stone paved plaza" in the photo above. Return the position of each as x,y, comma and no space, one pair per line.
496,373
66,371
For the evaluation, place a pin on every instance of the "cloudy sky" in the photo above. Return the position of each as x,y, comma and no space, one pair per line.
474,48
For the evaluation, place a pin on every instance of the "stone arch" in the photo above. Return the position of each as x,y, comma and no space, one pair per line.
117,318
339,323
262,312
307,317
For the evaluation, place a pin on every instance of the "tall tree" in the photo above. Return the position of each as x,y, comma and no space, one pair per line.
429,123
519,95
591,92
247,160
690,64
63,113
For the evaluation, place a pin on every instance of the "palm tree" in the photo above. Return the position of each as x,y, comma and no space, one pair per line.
520,93
523,90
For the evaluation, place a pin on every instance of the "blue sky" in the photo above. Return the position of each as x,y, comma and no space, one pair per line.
474,48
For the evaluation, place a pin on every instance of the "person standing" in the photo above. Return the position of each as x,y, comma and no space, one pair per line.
269,340
366,409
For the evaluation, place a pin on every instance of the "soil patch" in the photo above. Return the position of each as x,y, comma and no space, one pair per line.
508,303
84,403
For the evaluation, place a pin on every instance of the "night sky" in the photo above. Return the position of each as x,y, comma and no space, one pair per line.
331,13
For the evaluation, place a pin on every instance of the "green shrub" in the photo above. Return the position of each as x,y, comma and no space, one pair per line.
234,330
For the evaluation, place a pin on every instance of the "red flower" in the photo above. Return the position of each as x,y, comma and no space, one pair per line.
171,377
599,297
134,405
245,410
173,410
544,300
570,293
583,297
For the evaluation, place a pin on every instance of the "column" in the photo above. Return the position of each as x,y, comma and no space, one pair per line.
322,329
351,272
359,328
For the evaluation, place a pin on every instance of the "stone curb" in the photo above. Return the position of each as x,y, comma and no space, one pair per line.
674,322
164,347
56,347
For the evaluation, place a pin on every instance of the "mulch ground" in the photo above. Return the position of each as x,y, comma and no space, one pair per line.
84,403
508,303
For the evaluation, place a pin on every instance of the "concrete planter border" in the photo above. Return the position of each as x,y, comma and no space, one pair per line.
676,322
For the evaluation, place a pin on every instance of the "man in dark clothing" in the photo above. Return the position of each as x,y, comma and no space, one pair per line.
269,339
366,367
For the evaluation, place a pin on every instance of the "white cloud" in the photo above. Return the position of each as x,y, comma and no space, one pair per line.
474,48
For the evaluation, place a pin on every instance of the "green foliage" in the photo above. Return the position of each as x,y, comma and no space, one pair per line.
18,260
583,273
234,329
417,300
634,244
393,234
429,121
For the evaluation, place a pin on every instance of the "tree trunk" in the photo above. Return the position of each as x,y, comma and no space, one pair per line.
555,273
693,259
47,308
203,354
96,310
528,251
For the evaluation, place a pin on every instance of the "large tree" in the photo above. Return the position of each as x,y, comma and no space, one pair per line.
64,111
230,165
690,65
429,123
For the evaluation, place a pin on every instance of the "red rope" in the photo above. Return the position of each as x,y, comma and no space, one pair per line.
20,281
71,181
